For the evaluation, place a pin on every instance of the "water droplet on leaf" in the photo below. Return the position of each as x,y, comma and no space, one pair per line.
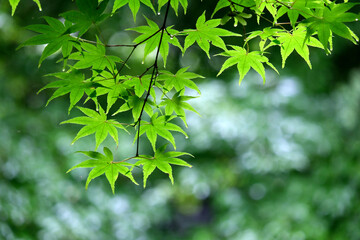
158,13
142,62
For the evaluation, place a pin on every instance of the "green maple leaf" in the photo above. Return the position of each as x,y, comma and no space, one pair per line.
220,4
135,104
96,122
152,41
134,5
295,8
55,34
71,82
206,32
162,161
331,20
268,37
174,4
141,85
90,13
177,104
245,61
14,4
225,3
298,41
114,90
179,80
104,164
160,126
94,57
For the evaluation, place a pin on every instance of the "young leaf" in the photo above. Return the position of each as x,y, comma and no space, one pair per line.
159,126
96,123
104,164
162,161
206,32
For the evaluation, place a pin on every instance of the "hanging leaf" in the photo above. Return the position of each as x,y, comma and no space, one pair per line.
71,82
135,104
206,32
160,126
179,80
162,161
331,20
104,164
96,122
178,105
296,40
245,61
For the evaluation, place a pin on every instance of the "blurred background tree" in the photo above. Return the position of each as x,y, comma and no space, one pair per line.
274,161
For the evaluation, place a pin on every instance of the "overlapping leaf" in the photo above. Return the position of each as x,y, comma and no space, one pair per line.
160,126
162,161
71,82
295,8
331,20
151,34
104,164
135,104
206,32
245,61
94,57
140,85
113,90
55,34
238,3
178,105
96,122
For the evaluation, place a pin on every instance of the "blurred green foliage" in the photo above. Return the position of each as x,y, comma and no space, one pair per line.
275,161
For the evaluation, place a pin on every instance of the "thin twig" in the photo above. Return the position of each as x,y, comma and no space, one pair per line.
153,77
